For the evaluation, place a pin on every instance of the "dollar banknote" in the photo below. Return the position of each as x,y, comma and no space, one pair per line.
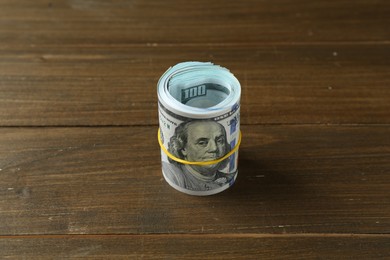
199,120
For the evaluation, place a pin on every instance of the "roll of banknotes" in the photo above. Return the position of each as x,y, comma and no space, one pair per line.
199,134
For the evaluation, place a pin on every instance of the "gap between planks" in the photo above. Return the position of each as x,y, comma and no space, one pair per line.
206,44
156,125
178,235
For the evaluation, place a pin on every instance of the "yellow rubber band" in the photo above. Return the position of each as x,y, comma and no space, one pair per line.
198,163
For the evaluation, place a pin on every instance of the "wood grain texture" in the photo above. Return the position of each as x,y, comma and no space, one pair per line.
292,179
198,247
80,173
309,84
78,22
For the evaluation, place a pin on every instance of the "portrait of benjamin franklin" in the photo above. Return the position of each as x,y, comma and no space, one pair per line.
197,141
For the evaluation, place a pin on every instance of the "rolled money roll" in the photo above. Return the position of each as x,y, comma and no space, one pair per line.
199,135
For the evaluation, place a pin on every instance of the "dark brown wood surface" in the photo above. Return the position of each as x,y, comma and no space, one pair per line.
314,84
80,172
199,246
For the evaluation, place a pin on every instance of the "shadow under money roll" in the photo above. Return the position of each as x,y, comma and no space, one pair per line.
199,134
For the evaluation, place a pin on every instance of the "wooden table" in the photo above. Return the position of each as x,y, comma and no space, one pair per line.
80,171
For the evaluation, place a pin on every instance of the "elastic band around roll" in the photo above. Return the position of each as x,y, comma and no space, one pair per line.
198,163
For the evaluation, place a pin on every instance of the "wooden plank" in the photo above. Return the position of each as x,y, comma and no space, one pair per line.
198,247
195,22
292,179
305,188
326,84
